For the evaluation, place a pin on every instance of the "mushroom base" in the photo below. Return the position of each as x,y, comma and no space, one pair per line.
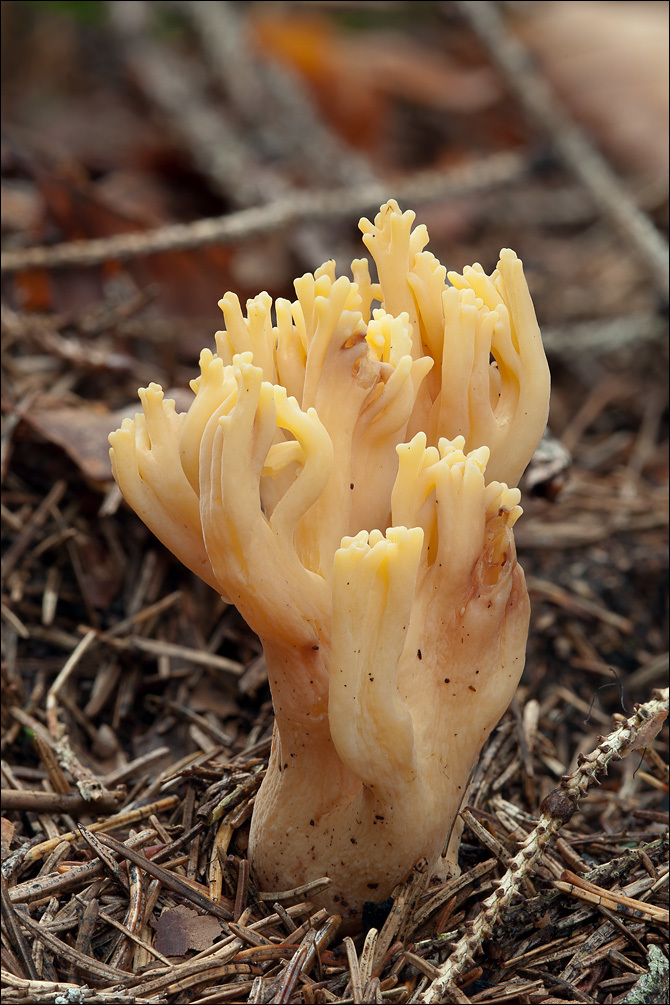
312,819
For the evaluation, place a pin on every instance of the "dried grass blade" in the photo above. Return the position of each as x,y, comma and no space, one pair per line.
12,925
111,823
46,886
289,978
168,879
354,970
405,898
298,893
368,955
38,801
85,964
110,864
557,809
615,902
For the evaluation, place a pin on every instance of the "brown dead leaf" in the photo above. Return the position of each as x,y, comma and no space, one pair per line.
20,206
123,201
310,46
648,731
101,571
180,928
33,290
356,78
401,67
12,695
82,433
609,64
7,829
207,697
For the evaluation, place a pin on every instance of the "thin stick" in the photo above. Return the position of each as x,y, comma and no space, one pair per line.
269,100
37,801
121,819
170,880
557,809
178,92
250,224
581,888
10,921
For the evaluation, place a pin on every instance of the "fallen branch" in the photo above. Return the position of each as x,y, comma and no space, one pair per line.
582,889
249,224
36,801
557,809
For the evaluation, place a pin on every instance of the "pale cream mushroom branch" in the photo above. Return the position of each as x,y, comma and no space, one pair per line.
289,350
252,333
519,391
394,245
215,390
427,280
253,554
144,454
382,424
469,390
368,291
373,589
341,376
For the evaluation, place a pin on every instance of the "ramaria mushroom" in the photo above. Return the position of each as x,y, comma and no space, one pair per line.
345,476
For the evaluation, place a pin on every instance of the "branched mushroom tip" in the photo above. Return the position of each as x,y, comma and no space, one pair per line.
343,477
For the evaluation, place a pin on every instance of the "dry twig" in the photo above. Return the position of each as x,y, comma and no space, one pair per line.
248,224
557,809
